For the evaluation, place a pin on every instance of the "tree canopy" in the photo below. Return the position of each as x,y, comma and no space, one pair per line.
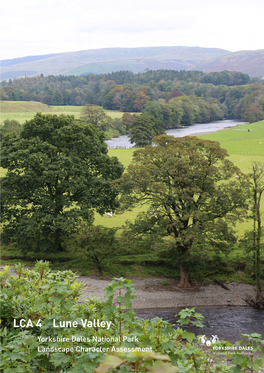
192,193
58,173
95,115
10,126
143,128
96,242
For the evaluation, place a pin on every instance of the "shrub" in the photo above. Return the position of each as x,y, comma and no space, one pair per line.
117,340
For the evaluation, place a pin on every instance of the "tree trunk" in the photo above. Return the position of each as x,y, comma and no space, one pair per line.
185,278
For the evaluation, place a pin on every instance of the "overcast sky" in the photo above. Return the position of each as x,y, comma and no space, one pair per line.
35,27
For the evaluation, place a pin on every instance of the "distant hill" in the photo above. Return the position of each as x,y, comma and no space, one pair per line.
248,62
15,61
108,60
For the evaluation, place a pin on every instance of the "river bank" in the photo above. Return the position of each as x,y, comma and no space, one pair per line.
157,292
160,292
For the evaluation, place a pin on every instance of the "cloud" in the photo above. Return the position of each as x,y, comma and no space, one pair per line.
120,22
37,27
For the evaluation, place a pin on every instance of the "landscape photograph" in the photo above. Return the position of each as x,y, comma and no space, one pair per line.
132,186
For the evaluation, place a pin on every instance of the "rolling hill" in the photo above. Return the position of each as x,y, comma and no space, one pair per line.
109,59
248,62
25,106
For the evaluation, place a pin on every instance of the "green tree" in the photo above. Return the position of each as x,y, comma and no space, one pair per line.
47,98
95,115
127,120
58,173
128,100
3,95
140,101
57,97
193,191
10,126
254,113
118,125
96,242
158,111
144,128
154,109
189,110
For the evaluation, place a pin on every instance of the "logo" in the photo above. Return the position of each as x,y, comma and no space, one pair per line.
223,345
208,341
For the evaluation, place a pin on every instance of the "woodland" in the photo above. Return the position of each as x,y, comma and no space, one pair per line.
196,96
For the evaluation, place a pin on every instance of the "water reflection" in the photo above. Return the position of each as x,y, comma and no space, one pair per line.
123,141
225,322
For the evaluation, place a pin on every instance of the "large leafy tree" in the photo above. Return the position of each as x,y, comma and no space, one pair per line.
158,111
143,128
192,193
58,173
95,115
57,97
10,126
96,242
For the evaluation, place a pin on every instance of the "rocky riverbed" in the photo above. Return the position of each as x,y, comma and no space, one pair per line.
160,292
157,292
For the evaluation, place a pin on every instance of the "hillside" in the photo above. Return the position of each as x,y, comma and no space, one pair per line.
25,106
108,60
248,62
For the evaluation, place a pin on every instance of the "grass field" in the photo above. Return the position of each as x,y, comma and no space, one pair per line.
24,107
244,148
238,139
23,110
26,110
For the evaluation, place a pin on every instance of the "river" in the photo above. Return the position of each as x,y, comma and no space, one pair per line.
225,322
123,141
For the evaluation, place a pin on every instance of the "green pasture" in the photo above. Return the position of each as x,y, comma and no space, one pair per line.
76,111
26,110
243,145
243,140
69,110
24,107
23,110
20,117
